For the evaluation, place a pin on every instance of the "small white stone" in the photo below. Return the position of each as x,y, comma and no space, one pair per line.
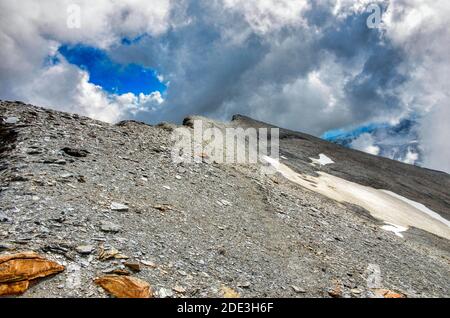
225,202
11,120
165,293
118,207
85,249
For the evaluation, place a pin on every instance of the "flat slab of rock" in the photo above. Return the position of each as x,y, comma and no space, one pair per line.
16,270
119,207
11,120
80,153
85,249
125,286
110,227
4,218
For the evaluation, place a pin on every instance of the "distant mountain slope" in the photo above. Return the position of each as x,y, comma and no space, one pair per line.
426,186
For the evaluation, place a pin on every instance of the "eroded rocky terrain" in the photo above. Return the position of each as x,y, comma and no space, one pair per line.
101,198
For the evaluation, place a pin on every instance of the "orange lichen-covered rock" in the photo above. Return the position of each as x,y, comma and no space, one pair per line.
125,286
26,266
228,292
386,293
16,288
16,270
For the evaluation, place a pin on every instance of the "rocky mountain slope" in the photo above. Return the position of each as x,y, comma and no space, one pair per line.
100,199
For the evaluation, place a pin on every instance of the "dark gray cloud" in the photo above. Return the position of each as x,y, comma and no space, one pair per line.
306,65
217,65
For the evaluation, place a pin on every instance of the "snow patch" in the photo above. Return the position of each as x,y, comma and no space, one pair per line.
383,206
323,160
420,207
397,229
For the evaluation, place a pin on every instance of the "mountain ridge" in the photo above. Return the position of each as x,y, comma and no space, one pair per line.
65,180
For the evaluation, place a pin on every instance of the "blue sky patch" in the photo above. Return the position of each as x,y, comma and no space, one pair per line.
333,135
51,60
111,76
130,41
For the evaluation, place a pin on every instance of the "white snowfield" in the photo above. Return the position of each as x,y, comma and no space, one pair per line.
420,207
396,229
323,160
397,212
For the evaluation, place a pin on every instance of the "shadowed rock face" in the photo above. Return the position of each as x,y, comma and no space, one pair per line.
199,229
7,138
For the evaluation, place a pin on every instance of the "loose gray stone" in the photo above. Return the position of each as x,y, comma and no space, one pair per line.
6,246
165,293
11,120
4,218
107,226
298,289
244,284
85,249
119,207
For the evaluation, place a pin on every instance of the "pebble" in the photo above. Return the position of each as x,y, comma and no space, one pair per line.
179,289
298,289
6,246
106,226
244,284
148,263
355,291
119,207
225,202
11,120
85,249
4,218
80,153
136,267
165,293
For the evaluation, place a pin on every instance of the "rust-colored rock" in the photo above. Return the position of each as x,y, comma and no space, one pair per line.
336,291
26,266
125,286
16,270
111,253
118,271
134,266
16,288
386,293
228,292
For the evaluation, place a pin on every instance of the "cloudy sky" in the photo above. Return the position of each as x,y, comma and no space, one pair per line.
312,66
